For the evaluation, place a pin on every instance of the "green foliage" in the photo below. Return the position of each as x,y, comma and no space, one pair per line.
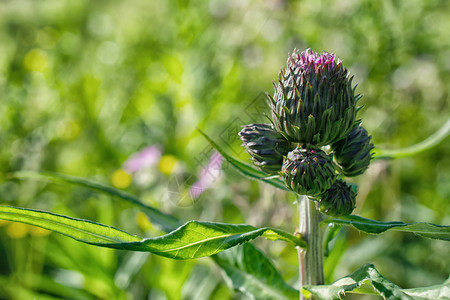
86,84
81,230
192,240
356,282
250,272
428,230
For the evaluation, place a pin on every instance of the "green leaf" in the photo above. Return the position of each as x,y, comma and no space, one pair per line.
198,239
247,270
165,221
244,168
356,283
371,226
80,230
191,240
428,230
426,144
440,291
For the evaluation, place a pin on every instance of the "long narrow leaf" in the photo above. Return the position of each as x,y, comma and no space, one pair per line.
247,270
165,221
382,286
192,240
80,230
428,230
244,168
426,144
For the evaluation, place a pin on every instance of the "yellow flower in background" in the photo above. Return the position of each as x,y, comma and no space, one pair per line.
17,230
143,222
36,60
167,164
121,179
39,232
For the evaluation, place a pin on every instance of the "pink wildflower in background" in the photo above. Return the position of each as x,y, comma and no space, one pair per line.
145,158
208,175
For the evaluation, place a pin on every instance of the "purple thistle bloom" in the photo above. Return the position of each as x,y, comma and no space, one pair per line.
145,158
208,175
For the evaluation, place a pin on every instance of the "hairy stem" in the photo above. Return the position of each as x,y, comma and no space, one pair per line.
310,260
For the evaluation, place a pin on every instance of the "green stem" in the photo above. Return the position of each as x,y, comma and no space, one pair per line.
310,260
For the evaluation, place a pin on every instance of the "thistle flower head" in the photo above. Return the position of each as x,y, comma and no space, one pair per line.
339,200
314,101
266,146
308,171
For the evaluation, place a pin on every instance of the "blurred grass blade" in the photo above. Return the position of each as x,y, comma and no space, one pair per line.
428,230
426,144
355,283
80,230
244,168
191,240
165,221
247,270
334,254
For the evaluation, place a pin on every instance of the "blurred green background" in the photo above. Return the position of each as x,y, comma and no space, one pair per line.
84,85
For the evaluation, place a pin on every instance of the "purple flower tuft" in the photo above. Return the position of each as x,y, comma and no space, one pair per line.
145,158
208,175
308,59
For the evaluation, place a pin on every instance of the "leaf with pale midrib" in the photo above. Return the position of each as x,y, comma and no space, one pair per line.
198,239
192,240
433,231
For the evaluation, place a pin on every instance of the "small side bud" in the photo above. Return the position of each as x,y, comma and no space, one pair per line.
339,200
353,152
266,146
308,171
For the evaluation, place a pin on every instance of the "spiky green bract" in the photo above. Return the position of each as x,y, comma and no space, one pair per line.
339,200
308,171
314,101
266,146
353,152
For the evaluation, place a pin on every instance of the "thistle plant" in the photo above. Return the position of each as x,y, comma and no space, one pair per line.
312,146
314,106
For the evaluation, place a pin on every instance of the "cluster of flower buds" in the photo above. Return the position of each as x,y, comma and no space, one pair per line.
314,138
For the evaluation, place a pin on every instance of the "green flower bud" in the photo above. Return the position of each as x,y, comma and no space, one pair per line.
314,102
266,146
353,152
339,200
308,171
